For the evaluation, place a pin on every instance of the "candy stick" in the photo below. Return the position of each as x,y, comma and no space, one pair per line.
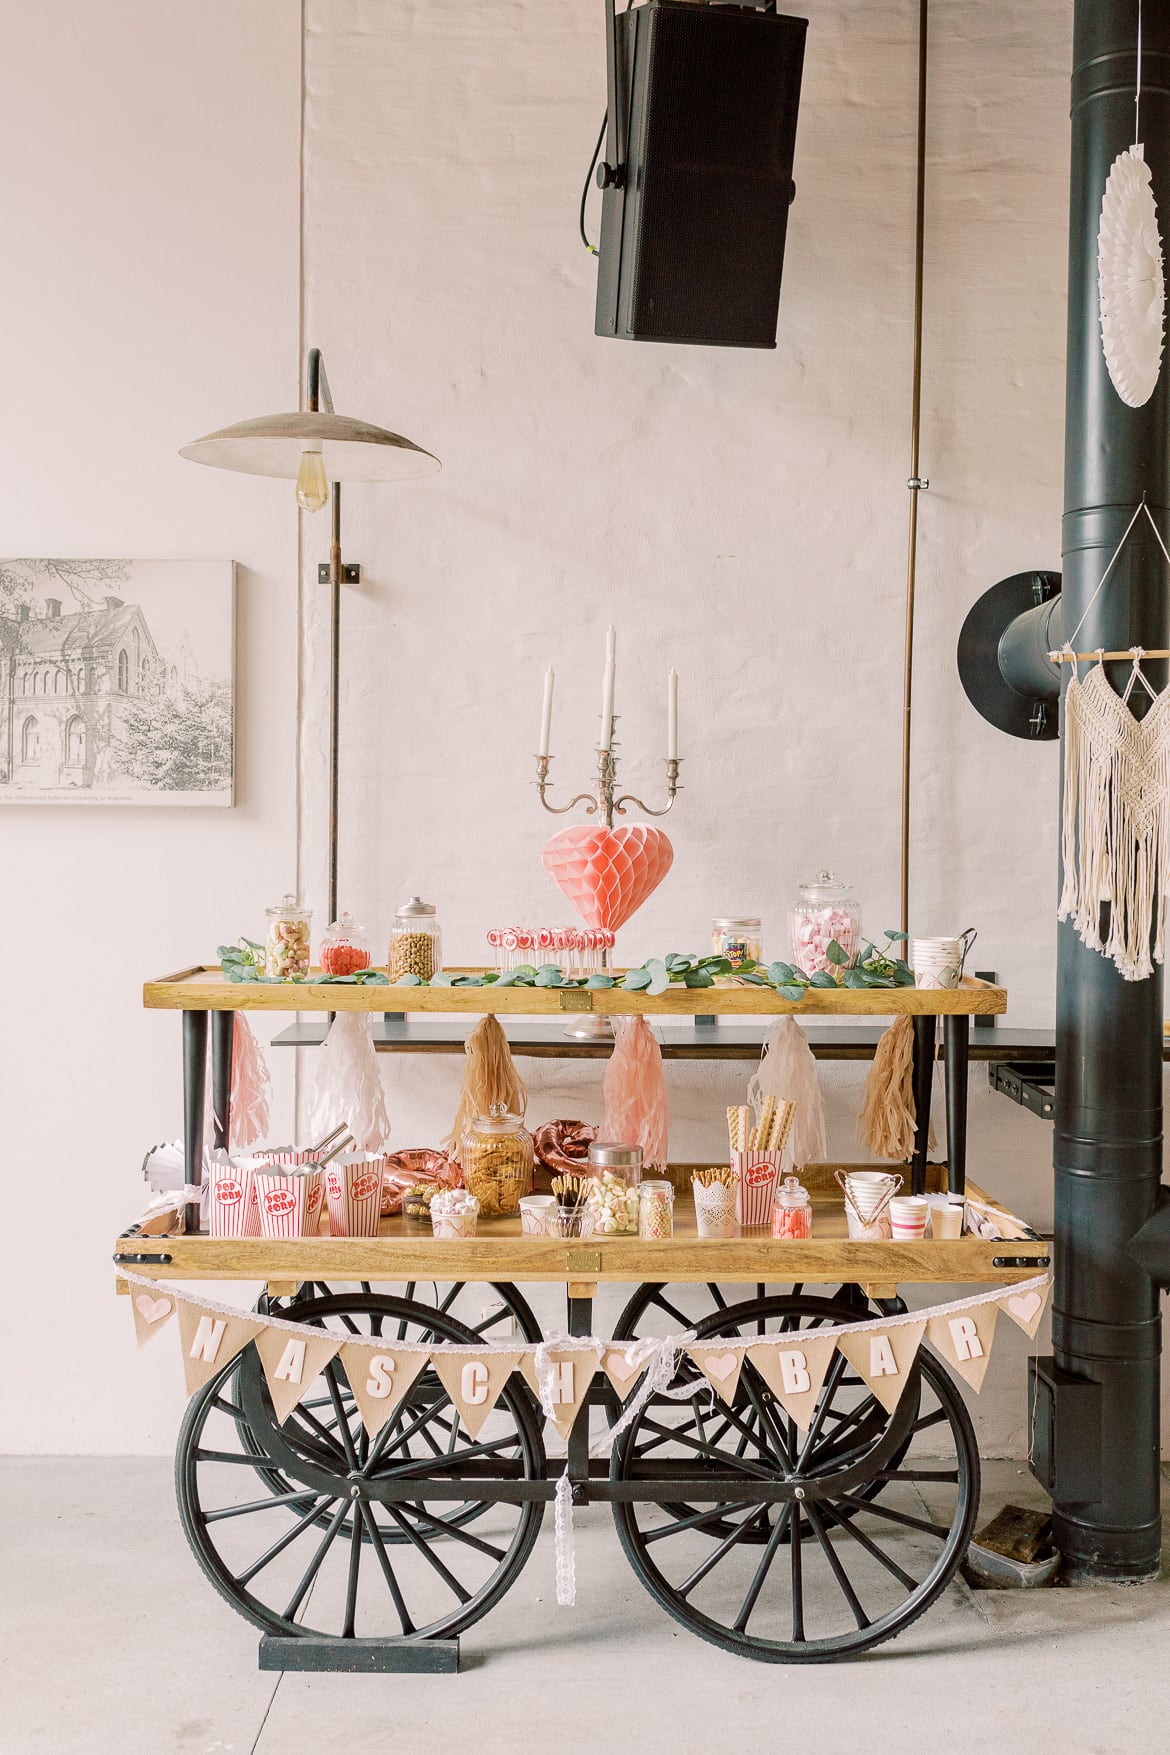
767,1122
783,1125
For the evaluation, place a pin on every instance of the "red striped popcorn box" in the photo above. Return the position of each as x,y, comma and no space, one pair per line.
757,1172
353,1188
229,1198
289,1199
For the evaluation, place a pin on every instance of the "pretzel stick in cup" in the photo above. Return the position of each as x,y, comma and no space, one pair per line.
782,1125
767,1122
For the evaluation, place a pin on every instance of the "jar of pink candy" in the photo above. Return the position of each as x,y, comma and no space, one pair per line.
826,911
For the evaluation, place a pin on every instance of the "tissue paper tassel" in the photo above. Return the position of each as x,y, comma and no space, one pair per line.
347,1089
636,1109
490,1079
887,1121
788,1070
251,1086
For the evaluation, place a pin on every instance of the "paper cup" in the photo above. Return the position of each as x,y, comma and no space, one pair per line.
908,1218
289,1201
866,1231
946,1219
756,1185
936,962
450,1223
869,1190
534,1213
229,1199
715,1208
353,1189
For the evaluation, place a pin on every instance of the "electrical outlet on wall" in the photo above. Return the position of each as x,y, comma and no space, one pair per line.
503,1323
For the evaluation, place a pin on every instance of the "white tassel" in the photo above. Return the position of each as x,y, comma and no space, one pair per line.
347,1086
788,1070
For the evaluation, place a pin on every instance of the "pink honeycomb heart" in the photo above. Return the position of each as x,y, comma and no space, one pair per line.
608,873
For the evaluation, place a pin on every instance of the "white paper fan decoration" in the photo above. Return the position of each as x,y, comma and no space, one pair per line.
1129,279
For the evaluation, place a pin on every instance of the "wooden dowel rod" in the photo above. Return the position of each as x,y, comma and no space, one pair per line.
1109,657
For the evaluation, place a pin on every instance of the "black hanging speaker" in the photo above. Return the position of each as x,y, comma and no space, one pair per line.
698,183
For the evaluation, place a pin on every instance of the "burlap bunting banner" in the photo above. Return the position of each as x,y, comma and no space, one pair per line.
292,1364
475,1381
570,1372
379,1376
794,1365
883,1357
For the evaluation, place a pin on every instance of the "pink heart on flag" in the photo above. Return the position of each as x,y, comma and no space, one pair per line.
1025,1305
721,1366
153,1309
620,1367
608,873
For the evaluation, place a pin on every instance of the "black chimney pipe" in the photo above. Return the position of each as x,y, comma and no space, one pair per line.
1103,1392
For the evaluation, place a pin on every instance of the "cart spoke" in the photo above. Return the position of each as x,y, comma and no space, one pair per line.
424,1548
349,1623
695,1522
229,1456
838,1571
871,1547
447,1528
259,1505
754,1514
313,1568
671,1310
717,1298
343,1431
891,1516
286,1540
388,1573
761,1572
951,1475
678,1436
797,1580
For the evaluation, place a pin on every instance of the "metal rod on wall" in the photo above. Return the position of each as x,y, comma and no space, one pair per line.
915,484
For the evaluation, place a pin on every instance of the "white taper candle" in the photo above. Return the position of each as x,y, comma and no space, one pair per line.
546,712
672,716
607,706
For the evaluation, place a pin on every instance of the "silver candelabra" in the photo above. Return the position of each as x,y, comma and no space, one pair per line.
601,800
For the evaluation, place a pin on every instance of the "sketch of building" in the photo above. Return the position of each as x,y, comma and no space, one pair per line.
106,700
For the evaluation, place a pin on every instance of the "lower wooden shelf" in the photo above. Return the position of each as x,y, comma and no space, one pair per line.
407,1251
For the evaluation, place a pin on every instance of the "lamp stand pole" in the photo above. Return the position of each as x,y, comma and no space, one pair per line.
319,398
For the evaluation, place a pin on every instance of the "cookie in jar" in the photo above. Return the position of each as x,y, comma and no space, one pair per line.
496,1159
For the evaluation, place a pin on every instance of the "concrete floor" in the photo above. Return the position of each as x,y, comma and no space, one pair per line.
110,1640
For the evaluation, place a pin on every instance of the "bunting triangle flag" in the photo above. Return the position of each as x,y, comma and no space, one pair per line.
292,1363
721,1363
475,1381
1026,1308
883,1358
572,1371
963,1340
796,1372
152,1311
380,1377
622,1371
210,1338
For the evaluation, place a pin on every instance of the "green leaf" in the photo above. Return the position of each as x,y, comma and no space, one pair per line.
836,953
855,978
524,969
699,978
779,972
755,979
548,977
899,937
407,981
543,968
636,980
677,962
601,981
251,943
508,979
467,981
717,965
791,992
822,978
442,979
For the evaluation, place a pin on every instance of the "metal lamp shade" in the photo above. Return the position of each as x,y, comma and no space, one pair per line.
352,450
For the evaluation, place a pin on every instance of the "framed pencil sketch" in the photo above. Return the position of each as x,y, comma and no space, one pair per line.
117,682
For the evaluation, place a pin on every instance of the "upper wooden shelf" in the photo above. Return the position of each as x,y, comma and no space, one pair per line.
203,989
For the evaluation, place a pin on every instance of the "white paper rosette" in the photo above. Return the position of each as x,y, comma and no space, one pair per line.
1129,279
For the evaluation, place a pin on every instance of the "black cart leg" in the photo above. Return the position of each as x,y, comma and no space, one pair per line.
924,1031
580,1323
956,1041
223,1036
194,1097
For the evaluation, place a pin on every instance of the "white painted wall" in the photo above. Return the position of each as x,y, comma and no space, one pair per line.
149,218
739,515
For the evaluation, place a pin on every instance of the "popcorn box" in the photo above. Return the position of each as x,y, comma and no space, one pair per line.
353,1189
757,1173
229,1198
288,1197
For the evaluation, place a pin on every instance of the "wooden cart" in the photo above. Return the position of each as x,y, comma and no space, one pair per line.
779,1545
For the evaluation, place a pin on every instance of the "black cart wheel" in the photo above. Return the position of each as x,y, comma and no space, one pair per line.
327,1550
875,1517
498,1312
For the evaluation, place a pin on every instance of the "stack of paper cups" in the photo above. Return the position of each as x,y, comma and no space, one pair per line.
866,1208
756,1184
353,1188
229,1198
936,962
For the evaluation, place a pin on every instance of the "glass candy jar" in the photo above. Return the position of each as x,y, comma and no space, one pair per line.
737,939
616,1171
656,1209
792,1211
286,948
345,948
826,911
496,1160
416,944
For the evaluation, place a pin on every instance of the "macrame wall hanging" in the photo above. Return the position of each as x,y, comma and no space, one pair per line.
1116,830
1130,283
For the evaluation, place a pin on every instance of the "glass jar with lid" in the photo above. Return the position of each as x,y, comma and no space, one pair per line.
286,948
792,1211
825,911
616,1171
656,1209
496,1159
416,944
737,937
345,948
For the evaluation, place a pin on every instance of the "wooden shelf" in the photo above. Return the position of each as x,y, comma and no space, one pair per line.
203,988
407,1251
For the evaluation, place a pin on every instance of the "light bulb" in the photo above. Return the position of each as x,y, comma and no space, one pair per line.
312,487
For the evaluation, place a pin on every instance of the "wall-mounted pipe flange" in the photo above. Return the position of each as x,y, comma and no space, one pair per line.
1004,665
